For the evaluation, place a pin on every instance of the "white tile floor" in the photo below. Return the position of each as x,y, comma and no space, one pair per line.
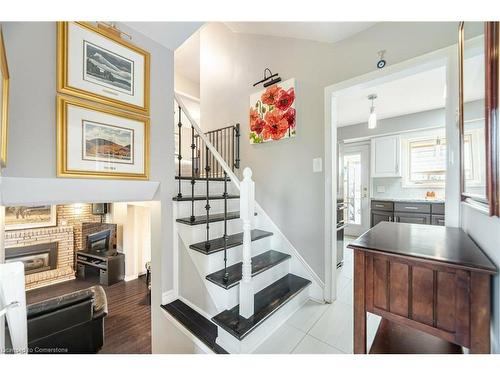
322,328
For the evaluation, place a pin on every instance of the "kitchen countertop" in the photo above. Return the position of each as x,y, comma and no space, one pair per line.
415,200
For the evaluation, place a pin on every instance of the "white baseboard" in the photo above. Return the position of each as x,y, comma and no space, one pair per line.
168,296
130,277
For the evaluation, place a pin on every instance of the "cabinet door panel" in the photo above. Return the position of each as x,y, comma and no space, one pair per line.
385,152
378,216
398,288
423,295
406,217
446,301
380,271
438,220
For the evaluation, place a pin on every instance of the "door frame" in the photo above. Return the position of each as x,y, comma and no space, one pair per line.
361,147
446,56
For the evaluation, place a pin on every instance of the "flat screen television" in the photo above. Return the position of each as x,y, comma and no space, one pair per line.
99,243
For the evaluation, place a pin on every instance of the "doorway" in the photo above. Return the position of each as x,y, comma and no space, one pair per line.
340,99
356,166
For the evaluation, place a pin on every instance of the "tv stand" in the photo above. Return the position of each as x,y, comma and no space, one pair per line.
110,268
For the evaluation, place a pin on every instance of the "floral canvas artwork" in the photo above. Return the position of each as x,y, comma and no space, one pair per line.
272,113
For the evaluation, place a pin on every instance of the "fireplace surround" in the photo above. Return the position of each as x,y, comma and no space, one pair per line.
36,258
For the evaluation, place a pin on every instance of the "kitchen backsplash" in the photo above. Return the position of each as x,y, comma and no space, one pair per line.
394,189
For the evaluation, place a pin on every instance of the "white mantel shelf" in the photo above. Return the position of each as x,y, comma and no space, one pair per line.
36,191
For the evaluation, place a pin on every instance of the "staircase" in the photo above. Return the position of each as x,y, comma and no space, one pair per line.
240,278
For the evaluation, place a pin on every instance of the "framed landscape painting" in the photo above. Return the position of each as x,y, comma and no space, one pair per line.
4,102
100,142
25,217
272,113
96,65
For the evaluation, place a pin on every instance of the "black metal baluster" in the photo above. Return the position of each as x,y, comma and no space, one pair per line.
237,141
179,156
216,164
226,274
233,130
193,146
207,206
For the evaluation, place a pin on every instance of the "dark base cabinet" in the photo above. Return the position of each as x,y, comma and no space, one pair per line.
407,212
378,216
109,269
411,218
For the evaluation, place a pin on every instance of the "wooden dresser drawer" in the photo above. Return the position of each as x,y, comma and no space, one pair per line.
412,207
382,206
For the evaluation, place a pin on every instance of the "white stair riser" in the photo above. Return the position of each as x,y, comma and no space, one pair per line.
200,188
264,330
216,207
214,262
198,233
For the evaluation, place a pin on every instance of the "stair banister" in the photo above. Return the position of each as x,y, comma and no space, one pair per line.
247,209
209,144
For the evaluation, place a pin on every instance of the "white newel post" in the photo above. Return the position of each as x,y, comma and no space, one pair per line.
13,304
247,202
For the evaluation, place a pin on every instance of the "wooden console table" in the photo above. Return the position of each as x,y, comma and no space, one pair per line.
433,279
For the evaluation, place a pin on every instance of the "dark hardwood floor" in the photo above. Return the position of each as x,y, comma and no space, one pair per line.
128,324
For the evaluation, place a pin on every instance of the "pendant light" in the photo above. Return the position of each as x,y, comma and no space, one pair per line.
372,119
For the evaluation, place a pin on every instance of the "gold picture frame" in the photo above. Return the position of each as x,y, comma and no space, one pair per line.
4,110
28,217
63,167
63,82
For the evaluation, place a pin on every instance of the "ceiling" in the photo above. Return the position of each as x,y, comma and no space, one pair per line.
187,56
412,93
327,32
168,34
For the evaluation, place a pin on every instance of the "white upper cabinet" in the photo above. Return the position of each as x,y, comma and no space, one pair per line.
386,156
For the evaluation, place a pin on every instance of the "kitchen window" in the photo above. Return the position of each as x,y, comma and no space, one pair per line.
427,161
425,164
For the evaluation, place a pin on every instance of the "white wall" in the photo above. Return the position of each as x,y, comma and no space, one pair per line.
286,187
485,231
186,86
31,53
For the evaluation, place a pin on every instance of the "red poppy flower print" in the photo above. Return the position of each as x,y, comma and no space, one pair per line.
269,96
284,99
254,115
275,126
290,117
257,126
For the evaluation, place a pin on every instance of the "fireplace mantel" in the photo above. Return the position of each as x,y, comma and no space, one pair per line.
35,191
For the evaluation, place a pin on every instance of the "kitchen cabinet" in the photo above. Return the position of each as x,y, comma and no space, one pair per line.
378,216
385,156
407,212
412,218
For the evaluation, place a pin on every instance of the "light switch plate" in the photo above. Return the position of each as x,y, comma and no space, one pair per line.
317,165
380,189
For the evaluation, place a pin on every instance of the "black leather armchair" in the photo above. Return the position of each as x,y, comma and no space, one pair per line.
71,323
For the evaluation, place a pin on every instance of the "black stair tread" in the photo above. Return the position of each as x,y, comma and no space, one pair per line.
202,219
233,240
266,302
188,178
260,263
196,323
204,197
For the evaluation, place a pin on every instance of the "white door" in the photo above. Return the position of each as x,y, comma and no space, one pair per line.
356,188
